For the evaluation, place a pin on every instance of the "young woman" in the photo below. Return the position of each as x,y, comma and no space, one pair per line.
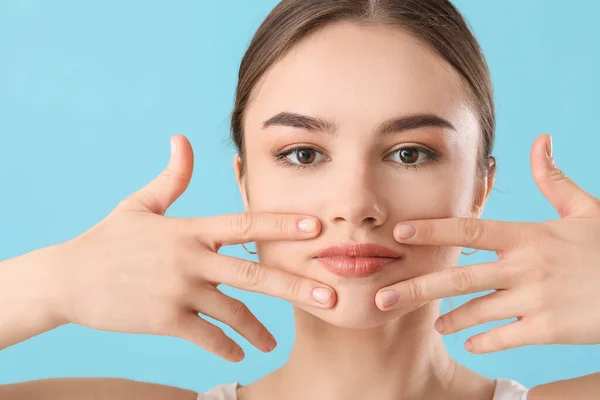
361,113
365,113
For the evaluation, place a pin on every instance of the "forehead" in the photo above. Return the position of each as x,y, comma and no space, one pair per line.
358,73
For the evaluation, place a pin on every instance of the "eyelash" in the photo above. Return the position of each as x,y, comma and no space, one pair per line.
281,157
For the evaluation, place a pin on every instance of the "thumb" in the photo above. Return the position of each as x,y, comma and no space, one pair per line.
158,195
568,199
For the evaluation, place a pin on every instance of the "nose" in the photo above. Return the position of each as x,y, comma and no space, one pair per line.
357,199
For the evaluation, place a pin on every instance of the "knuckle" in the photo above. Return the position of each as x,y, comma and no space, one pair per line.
497,340
175,290
450,321
471,229
540,273
415,290
263,332
540,234
124,203
241,224
548,230
252,273
238,310
426,233
216,340
283,225
171,174
479,312
167,321
294,288
462,279
556,175
176,270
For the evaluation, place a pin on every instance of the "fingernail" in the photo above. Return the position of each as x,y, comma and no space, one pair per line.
321,295
272,344
240,355
388,298
307,225
173,147
439,325
404,231
468,345
549,146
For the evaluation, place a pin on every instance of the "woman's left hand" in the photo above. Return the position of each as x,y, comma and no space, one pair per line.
547,274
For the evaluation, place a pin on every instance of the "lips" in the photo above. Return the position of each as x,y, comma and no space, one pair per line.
357,260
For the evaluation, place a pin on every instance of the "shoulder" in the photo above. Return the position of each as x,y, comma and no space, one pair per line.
508,389
225,391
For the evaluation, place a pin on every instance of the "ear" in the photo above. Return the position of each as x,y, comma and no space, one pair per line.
484,188
241,181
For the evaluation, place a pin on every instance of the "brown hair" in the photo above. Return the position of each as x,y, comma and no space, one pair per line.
437,23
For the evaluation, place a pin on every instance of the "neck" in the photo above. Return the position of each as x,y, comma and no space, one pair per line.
402,359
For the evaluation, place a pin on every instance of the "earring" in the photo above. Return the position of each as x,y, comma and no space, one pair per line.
248,251
468,254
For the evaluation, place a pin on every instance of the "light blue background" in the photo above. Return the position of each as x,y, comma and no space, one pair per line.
90,93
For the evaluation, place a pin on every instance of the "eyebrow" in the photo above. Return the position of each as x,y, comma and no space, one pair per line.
324,126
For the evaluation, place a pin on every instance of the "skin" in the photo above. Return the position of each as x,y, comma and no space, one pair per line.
536,261
357,200
171,264
359,190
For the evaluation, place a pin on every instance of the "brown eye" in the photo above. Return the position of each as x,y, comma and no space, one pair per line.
306,156
412,156
408,155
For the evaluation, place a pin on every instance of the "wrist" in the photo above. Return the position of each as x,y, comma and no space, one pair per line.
47,279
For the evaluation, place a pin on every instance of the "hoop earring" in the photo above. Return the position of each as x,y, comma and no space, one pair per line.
468,254
248,251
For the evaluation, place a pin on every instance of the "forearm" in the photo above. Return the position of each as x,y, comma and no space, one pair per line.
580,388
29,295
92,389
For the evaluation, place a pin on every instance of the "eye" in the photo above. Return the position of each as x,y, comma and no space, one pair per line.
300,157
412,157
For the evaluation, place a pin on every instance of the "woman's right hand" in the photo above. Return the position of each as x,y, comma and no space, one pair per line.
138,271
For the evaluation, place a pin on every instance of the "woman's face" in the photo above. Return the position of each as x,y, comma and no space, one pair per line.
345,153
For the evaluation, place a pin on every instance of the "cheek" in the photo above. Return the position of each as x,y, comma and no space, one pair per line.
441,192
271,190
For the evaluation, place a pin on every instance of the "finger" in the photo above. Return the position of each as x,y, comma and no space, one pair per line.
211,338
158,195
499,305
255,277
449,282
475,233
567,198
504,337
235,314
249,226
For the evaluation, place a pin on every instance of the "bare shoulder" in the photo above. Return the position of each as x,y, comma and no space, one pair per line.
92,389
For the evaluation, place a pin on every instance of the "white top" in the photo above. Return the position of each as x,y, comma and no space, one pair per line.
506,389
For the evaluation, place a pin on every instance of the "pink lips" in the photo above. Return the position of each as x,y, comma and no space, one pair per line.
356,260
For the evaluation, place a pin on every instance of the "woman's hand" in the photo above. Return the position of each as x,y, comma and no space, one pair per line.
547,274
139,271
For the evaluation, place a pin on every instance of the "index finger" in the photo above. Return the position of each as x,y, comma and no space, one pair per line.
256,277
476,233
449,282
254,226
